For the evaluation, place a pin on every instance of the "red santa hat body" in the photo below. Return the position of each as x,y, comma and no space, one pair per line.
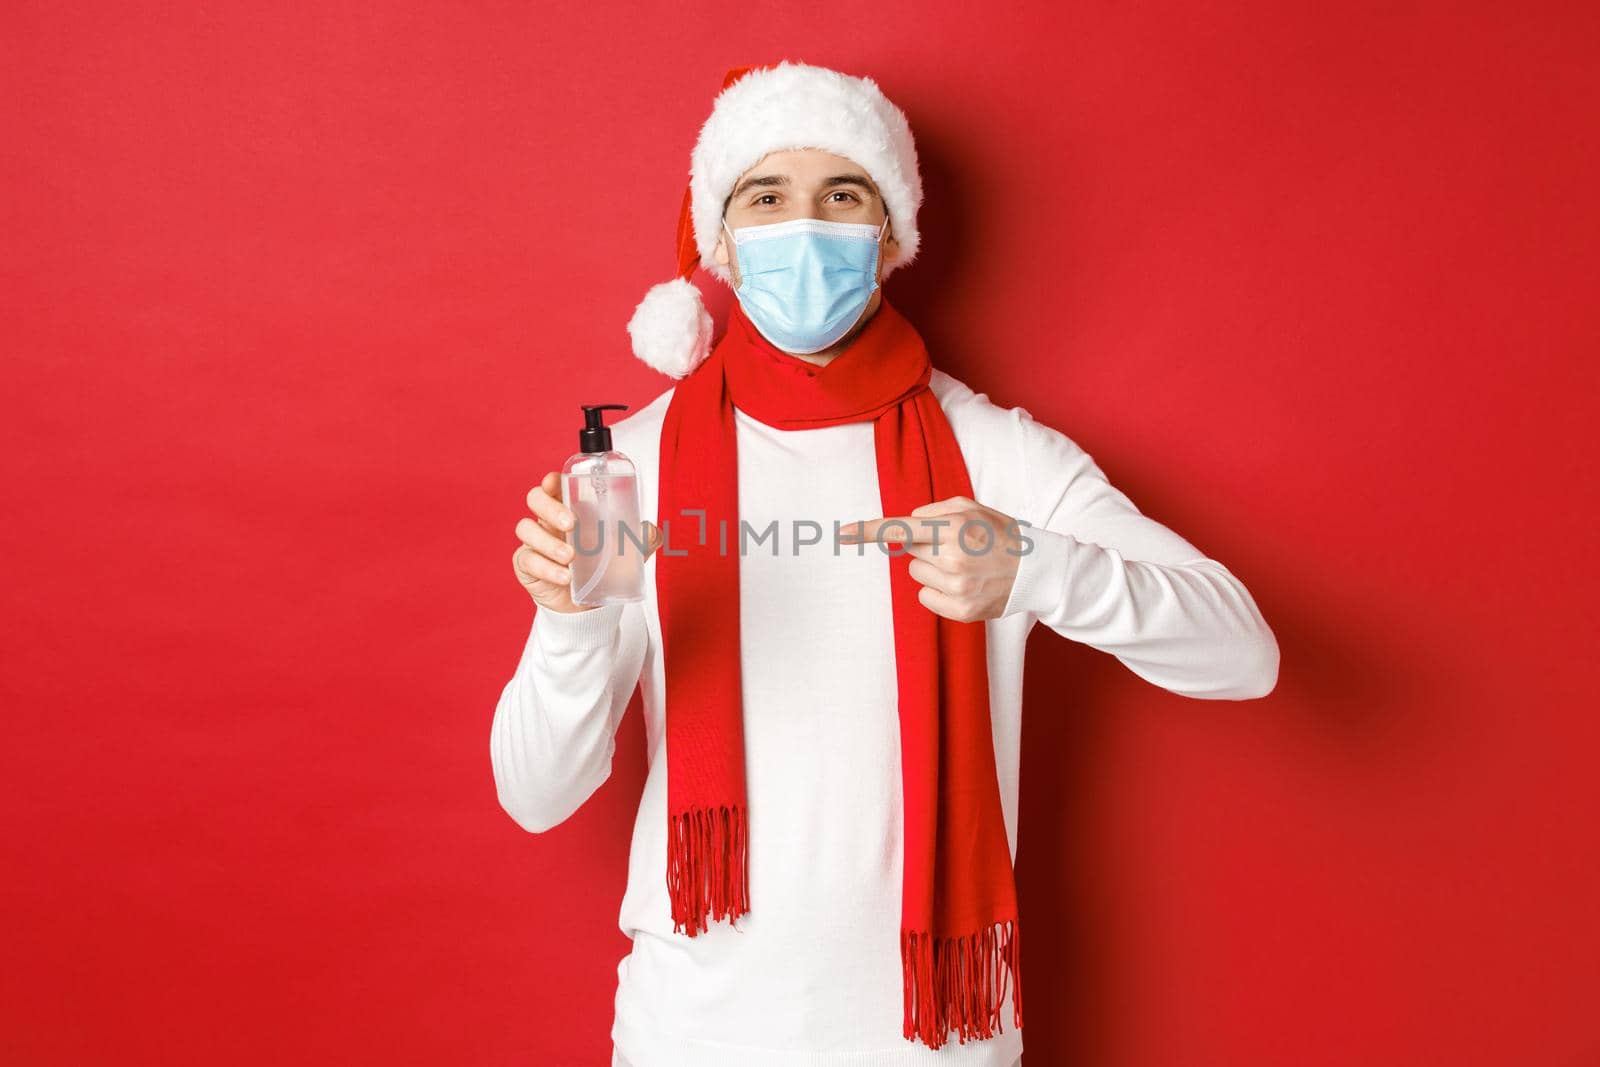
760,111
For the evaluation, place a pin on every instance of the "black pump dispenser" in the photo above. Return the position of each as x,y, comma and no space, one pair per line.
596,435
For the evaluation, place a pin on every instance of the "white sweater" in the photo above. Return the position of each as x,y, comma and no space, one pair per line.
812,977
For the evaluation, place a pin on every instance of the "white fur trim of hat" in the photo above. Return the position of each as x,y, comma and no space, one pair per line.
760,111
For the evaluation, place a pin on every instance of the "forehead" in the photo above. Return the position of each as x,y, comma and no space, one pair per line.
800,163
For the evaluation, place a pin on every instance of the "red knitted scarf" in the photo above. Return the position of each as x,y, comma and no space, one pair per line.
959,942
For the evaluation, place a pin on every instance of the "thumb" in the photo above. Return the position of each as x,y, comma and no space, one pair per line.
653,533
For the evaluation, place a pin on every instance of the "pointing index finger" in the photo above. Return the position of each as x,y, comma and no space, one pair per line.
901,529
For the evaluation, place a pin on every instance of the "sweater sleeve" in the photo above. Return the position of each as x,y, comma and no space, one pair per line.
1102,573
555,725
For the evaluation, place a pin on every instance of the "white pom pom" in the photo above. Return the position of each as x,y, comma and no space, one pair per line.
671,328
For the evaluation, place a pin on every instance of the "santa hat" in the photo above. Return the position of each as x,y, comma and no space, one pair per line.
759,111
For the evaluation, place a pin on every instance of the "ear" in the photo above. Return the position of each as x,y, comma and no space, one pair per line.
720,255
890,249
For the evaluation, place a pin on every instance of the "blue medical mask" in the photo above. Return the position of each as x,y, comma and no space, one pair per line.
805,282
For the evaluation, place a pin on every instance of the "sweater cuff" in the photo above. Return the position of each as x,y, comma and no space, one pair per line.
1042,571
576,631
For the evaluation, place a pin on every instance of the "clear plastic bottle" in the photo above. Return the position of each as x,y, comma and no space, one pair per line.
601,487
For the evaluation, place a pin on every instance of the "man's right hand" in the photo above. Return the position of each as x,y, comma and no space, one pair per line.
542,561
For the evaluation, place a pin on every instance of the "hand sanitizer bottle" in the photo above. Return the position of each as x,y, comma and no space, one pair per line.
601,487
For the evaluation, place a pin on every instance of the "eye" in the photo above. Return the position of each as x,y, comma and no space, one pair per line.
852,196
765,196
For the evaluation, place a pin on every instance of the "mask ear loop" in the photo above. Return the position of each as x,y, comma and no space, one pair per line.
733,248
876,284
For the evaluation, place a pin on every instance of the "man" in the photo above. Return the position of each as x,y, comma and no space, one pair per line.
821,868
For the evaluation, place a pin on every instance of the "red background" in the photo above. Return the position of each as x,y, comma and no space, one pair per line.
300,299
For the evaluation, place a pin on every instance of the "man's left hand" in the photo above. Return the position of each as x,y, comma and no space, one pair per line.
964,554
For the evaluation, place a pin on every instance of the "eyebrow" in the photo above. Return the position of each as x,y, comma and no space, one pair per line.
783,179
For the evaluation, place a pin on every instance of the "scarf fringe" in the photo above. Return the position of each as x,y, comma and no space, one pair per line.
707,873
959,982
